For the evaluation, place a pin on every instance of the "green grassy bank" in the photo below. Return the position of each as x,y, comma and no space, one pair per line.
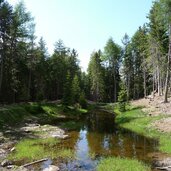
35,149
137,121
31,149
134,119
119,164
44,112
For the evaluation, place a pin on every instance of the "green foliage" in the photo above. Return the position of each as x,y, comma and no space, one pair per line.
122,98
96,75
67,97
83,101
112,57
12,115
45,113
120,164
34,108
29,73
75,90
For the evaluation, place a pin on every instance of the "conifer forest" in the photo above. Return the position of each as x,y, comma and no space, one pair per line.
115,116
139,66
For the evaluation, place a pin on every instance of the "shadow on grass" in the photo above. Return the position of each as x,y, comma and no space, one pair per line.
14,117
123,120
129,115
135,108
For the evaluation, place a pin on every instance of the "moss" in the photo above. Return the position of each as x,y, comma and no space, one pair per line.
119,164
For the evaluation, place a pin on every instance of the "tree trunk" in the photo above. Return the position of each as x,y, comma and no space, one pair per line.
153,85
29,85
114,86
168,68
145,90
128,87
1,74
158,79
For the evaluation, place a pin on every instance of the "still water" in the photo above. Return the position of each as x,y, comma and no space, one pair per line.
96,136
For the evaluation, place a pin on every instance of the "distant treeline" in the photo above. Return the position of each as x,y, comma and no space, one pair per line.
131,71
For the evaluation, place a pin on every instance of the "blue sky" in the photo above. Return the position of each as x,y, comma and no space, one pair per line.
86,25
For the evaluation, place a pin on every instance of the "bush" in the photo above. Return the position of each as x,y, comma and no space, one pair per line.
122,99
82,101
34,108
122,106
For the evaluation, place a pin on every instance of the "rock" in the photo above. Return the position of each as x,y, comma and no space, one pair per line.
27,131
32,124
56,136
8,132
5,163
8,145
2,151
11,167
51,168
21,168
65,136
60,136
12,149
165,162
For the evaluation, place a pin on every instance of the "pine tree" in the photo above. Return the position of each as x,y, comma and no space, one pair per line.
122,98
112,56
67,96
96,75
75,90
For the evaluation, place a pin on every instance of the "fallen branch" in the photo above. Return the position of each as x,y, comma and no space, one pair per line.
38,161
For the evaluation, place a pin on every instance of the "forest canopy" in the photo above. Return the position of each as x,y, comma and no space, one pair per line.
139,67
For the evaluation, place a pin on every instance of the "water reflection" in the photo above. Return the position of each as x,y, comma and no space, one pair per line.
98,137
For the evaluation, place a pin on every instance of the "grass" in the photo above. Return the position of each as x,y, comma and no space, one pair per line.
12,114
119,164
35,149
137,121
45,112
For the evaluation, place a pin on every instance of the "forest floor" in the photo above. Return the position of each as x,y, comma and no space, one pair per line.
155,107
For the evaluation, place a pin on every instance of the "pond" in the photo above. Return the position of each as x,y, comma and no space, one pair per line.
96,137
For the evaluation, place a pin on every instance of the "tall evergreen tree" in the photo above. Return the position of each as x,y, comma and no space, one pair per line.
112,56
96,75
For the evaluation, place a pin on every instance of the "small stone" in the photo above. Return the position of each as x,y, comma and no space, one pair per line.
12,149
65,137
11,167
56,136
2,151
8,132
51,168
27,131
5,163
